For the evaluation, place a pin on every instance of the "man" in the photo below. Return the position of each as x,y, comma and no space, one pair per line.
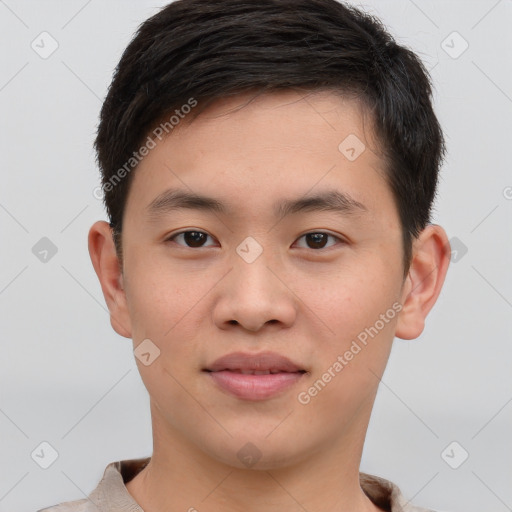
269,170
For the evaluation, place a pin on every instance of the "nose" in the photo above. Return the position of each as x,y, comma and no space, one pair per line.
254,295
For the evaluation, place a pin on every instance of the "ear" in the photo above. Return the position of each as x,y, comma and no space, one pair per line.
429,265
106,264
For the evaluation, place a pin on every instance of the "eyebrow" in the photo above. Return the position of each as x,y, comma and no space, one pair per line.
329,200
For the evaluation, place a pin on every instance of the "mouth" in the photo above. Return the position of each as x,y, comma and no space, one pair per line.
254,376
260,363
255,372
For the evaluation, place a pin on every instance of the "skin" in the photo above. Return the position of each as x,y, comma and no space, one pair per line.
197,304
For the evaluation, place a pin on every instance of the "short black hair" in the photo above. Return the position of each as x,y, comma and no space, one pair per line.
203,50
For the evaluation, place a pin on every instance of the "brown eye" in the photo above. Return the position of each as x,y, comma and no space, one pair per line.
192,239
318,240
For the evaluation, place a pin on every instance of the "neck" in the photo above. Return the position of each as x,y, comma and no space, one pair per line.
180,477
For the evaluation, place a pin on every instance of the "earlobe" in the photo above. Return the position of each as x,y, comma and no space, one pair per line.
431,257
106,265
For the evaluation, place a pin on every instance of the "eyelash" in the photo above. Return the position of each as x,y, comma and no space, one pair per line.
173,237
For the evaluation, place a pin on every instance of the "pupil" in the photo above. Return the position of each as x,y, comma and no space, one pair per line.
194,238
317,240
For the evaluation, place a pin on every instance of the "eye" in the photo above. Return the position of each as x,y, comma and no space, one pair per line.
318,240
191,239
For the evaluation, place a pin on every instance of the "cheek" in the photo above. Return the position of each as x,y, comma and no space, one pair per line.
175,336
166,306
161,298
346,303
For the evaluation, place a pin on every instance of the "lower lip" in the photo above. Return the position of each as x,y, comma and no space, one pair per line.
254,387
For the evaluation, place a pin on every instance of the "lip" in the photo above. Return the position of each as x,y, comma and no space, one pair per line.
226,372
254,362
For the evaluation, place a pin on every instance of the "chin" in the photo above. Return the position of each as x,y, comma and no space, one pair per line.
257,455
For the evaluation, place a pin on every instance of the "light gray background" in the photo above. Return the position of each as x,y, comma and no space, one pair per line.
67,378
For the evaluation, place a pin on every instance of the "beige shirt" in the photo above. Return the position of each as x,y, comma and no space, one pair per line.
111,494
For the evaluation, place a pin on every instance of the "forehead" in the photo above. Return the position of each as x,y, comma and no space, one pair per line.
298,119
267,147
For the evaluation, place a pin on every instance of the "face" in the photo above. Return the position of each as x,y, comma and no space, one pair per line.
296,252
